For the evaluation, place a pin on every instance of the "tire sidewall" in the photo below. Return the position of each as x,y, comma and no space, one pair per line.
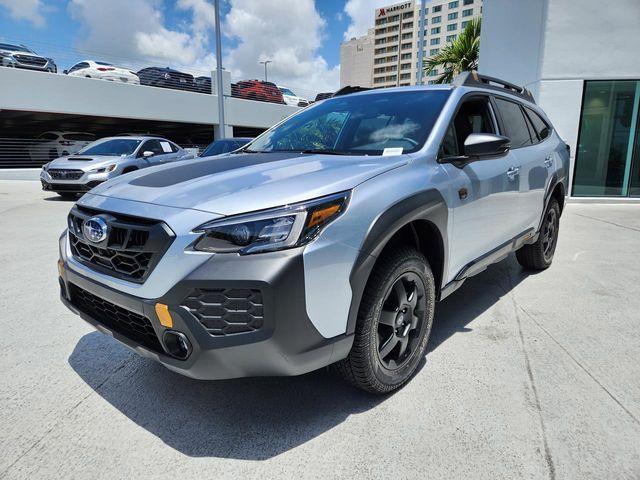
553,205
385,376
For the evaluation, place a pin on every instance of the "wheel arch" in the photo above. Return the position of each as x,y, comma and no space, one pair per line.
419,221
130,168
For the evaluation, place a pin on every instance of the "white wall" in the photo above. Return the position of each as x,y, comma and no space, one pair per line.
25,90
553,46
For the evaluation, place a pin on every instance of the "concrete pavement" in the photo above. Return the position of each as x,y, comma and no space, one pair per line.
528,376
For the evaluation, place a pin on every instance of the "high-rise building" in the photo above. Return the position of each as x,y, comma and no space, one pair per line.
396,36
356,61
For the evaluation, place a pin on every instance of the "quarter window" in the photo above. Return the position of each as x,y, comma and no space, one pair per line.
514,123
540,126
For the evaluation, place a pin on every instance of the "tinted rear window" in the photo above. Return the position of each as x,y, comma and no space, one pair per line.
514,123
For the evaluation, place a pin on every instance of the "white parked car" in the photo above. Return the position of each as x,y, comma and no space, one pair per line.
50,145
103,71
291,98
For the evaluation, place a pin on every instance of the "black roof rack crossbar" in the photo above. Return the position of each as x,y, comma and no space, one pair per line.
474,79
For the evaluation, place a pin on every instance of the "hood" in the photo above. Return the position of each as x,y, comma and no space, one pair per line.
84,162
239,183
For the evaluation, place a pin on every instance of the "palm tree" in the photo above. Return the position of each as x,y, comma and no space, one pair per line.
458,56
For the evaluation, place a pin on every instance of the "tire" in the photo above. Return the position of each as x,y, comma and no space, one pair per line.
539,255
381,323
68,195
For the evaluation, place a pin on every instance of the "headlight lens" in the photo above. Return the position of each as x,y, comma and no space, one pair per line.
108,168
277,229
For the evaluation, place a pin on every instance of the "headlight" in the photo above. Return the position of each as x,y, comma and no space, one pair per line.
276,229
108,168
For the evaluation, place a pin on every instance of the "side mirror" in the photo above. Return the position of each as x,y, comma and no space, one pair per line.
65,71
147,154
480,145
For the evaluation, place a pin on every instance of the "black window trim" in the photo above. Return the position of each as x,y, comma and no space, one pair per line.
466,97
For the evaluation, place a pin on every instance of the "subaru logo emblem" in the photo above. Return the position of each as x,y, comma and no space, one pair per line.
95,229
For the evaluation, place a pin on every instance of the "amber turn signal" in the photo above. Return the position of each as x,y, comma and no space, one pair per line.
164,316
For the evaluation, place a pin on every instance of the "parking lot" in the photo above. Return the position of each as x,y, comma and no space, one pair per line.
528,376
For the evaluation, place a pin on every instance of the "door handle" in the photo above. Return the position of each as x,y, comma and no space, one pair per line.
548,161
513,172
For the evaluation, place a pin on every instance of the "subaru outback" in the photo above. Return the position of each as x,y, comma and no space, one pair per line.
326,241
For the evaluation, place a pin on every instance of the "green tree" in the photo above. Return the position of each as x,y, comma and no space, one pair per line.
458,56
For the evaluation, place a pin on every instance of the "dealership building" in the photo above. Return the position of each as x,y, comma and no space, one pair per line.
581,60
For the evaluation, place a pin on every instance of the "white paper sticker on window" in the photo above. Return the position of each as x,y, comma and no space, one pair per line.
392,151
166,147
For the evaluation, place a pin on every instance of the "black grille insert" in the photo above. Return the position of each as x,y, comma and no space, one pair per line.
29,60
225,311
125,322
63,174
131,249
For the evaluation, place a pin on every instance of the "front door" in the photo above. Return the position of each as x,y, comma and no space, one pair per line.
484,193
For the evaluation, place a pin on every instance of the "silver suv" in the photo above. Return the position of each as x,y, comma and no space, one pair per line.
105,159
325,241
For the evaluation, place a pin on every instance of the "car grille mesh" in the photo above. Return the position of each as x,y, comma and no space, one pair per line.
130,251
27,60
62,174
226,311
125,322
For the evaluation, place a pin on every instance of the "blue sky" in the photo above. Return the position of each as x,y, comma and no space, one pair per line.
302,36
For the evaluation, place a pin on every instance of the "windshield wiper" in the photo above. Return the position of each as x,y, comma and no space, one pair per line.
321,151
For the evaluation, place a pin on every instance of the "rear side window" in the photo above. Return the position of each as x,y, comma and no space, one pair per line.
514,123
540,126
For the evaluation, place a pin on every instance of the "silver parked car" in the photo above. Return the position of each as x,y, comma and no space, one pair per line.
325,241
105,159
19,56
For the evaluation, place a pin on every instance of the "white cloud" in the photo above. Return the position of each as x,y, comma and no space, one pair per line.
288,32
30,10
134,33
361,13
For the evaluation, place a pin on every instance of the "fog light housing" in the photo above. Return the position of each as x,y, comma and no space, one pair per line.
177,344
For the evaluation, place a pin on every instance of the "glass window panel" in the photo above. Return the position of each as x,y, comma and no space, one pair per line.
605,133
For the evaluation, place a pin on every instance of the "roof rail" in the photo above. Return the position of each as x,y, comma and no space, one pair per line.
474,79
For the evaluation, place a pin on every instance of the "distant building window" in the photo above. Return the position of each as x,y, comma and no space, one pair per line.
405,66
405,76
406,45
464,24
437,9
452,16
436,19
468,12
405,56
378,80
453,4
435,41
434,51
407,15
435,30
467,2
451,38
381,21
433,72
452,27
407,35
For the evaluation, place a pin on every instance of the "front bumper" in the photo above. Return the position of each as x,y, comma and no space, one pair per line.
286,343
81,185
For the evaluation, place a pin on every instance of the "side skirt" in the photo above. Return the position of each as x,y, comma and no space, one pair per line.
481,263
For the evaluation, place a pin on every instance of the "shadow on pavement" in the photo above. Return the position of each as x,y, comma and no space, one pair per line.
58,198
256,418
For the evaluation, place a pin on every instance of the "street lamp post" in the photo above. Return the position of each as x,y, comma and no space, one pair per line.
265,63
220,89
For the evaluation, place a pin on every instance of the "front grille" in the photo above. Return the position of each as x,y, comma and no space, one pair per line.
131,249
125,322
62,174
225,311
33,61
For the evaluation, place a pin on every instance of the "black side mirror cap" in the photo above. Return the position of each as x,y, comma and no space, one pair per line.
480,145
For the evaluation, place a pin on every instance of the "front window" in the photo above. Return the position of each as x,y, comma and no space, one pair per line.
114,147
358,124
286,91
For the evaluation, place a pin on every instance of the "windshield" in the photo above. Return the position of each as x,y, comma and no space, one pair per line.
14,48
117,146
286,91
358,124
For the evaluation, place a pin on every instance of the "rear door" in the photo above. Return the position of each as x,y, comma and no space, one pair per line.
530,155
484,192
